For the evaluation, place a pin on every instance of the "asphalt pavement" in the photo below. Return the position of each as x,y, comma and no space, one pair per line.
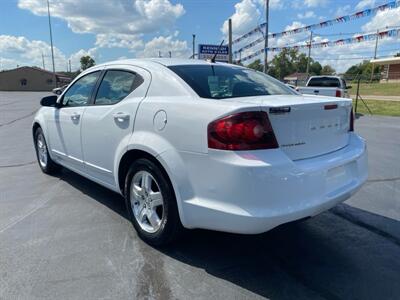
64,237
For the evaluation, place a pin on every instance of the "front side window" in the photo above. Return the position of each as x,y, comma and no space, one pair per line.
79,93
114,87
220,82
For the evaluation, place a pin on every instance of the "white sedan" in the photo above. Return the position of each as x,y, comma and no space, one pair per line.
194,144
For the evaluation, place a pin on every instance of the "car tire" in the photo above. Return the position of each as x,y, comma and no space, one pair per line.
151,203
46,164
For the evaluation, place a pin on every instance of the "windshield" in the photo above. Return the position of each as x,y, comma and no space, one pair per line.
220,82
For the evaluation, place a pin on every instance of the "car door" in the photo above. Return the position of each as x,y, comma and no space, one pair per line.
64,125
108,123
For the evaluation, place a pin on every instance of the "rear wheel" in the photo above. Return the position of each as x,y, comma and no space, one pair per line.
151,203
46,164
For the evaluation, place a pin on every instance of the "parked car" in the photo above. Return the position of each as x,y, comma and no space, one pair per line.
291,86
195,144
332,86
59,90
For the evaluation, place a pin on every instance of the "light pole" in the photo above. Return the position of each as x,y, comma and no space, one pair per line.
375,54
44,67
193,45
230,41
266,36
51,44
309,55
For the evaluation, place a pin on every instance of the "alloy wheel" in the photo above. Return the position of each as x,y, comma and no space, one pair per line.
42,150
146,201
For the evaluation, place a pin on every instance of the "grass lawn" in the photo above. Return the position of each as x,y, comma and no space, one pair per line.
379,107
380,89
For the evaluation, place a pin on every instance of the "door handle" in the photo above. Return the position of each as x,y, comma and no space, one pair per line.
121,116
75,116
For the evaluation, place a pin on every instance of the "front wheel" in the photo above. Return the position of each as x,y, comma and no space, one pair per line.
46,164
151,203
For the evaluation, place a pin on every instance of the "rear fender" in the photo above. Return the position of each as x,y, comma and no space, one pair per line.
168,157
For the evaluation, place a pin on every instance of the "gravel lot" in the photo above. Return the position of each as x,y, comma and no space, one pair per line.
65,237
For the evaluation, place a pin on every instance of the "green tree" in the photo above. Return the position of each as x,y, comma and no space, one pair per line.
256,65
315,68
301,63
364,69
353,70
327,70
87,62
287,62
283,64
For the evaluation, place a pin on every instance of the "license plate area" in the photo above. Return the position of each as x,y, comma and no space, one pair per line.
340,176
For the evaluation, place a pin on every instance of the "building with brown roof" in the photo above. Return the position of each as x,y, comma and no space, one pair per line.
391,68
31,79
296,79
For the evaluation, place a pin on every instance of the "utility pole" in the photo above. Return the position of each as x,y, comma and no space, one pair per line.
170,54
44,67
266,36
193,45
51,44
159,53
375,54
69,62
309,55
230,41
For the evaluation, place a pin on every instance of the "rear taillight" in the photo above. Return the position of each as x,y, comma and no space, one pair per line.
338,93
242,131
351,127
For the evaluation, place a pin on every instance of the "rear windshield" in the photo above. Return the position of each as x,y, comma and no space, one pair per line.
324,82
220,82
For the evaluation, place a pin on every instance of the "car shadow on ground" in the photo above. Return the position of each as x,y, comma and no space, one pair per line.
345,253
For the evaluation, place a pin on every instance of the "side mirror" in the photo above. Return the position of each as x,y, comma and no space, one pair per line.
49,101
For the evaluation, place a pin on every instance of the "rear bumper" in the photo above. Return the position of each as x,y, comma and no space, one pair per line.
252,192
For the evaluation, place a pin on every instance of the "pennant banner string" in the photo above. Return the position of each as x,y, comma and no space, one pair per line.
355,39
342,19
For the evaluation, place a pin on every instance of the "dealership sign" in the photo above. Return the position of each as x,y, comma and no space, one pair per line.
208,52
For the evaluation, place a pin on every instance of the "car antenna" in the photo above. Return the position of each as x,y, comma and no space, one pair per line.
215,55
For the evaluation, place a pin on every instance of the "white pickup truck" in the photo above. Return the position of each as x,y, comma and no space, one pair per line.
332,86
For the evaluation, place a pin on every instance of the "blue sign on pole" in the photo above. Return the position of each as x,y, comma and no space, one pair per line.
208,52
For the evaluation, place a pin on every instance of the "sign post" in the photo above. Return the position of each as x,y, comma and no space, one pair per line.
208,52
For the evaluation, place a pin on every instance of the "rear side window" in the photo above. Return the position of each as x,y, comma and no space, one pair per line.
115,86
324,82
220,81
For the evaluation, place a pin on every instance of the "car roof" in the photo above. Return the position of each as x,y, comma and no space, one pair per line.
153,62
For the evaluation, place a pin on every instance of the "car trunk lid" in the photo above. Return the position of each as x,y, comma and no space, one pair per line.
307,126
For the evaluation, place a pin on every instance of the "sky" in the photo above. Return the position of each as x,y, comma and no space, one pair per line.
117,29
